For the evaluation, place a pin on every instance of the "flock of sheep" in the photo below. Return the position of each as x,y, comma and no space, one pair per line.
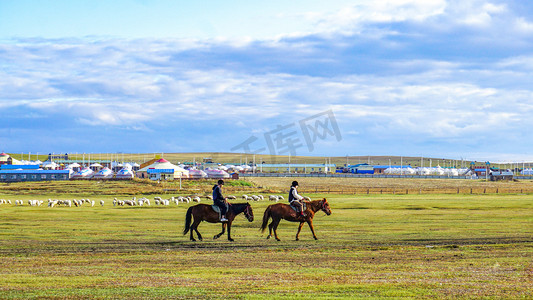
134,201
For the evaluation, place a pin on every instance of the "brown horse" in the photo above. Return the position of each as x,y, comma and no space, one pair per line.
204,212
280,211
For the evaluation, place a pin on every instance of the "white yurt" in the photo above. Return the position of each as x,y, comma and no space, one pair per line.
84,173
74,167
161,164
197,174
104,173
125,174
213,173
50,165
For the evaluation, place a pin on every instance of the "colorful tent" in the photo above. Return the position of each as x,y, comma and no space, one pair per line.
162,163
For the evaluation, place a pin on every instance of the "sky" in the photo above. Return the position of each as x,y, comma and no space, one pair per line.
423,78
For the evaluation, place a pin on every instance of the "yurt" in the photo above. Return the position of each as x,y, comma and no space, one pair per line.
6,159
84,173
104,173
74,167
212,173
161,164
96,167
50,165
197,174
125,173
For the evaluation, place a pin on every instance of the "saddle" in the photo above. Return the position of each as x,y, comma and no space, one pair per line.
217,210
304,207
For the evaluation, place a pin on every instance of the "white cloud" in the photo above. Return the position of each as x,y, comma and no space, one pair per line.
400,77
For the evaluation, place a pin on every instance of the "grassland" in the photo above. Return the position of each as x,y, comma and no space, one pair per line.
372,246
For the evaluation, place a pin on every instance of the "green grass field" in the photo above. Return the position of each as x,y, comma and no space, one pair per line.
372,246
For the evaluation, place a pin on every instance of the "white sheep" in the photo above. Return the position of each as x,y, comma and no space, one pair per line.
196,199
273,198
102,202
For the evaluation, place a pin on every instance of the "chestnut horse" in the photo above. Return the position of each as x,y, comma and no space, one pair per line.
280,211
204,212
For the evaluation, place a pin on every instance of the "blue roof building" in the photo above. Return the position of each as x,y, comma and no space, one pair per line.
33,175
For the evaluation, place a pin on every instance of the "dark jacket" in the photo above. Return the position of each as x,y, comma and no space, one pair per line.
217,194
219,200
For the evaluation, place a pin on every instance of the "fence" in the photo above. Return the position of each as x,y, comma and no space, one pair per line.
399,190
408,191
350,175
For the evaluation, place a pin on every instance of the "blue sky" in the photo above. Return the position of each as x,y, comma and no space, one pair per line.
431,78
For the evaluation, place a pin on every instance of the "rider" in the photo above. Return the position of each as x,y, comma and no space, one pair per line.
219,200
296,200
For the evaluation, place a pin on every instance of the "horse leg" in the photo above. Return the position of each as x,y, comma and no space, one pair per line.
275,224
192,229
310,222
299,229
229,232
195,227
223,231
270,229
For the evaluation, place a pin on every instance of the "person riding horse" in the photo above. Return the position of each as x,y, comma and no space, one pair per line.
296,200
219,200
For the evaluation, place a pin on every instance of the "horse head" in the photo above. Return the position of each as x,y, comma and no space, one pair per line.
324,206
249,213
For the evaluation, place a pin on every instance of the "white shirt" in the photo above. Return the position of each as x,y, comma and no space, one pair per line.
295,194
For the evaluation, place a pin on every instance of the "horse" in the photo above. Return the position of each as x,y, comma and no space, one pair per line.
280,211
204,212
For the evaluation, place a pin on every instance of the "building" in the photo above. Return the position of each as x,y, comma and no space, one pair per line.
296,168
481,172
19,167
33,175
501,175
160,174
360,169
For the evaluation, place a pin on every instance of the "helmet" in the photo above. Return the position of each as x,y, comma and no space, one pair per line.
221,181
294,183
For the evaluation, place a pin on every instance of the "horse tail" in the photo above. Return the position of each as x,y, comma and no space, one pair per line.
266,216
188,218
